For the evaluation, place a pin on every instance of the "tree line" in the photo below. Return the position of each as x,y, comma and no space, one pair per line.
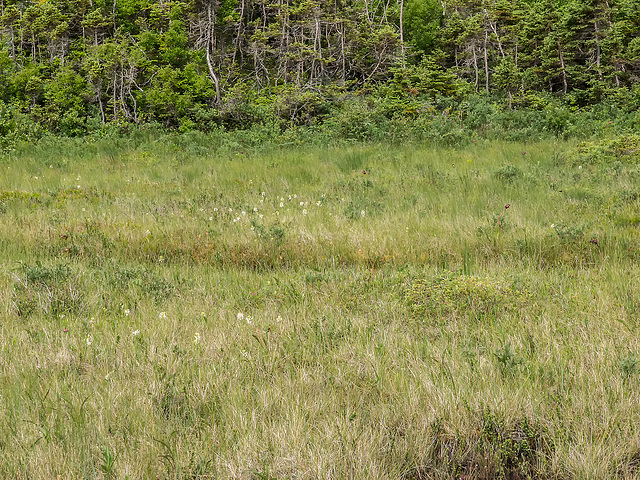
70,66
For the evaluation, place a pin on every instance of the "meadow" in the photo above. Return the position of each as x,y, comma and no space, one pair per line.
178,306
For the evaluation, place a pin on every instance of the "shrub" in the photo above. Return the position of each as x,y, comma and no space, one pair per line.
456,295
624,149
53,291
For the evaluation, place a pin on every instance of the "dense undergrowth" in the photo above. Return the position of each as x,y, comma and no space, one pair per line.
356,118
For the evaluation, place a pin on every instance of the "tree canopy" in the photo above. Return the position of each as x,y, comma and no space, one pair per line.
74,64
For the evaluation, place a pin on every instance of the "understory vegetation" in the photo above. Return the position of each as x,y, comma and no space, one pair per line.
232,306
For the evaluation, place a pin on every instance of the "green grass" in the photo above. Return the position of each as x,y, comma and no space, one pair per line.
172,310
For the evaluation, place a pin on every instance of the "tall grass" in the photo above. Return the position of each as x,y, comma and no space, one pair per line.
177,310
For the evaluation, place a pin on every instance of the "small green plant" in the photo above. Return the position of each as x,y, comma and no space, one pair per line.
508,362
569,233
629,366
277,234
137,281
508,173
108,463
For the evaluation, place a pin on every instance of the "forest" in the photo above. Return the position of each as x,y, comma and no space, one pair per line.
352,68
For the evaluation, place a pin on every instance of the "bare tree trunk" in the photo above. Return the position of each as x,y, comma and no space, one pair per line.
366,11
212,72
123,103
565,85
115,96
284,43
13,48
239,34
384,19
114,14
475,65
402,46
598,50
342,51
317,49
486,61
495,32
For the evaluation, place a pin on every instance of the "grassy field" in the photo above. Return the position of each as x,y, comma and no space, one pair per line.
180,308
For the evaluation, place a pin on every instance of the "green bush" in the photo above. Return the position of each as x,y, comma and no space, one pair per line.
624,149
456,295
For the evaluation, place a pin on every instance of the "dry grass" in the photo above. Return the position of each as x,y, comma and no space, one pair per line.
387,324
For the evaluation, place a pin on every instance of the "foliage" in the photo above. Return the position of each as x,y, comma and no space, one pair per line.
624,149
454,294
71,68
